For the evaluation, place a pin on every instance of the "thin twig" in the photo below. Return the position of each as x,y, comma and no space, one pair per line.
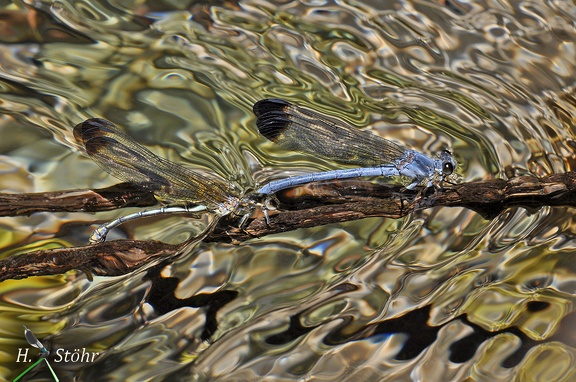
302,207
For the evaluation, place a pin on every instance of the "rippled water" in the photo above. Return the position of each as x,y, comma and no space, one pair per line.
440,295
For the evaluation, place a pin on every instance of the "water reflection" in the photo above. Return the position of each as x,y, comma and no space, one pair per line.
494,81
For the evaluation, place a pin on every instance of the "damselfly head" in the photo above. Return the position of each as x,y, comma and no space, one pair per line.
448,162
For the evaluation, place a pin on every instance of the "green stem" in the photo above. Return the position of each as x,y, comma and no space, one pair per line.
27,370
34,365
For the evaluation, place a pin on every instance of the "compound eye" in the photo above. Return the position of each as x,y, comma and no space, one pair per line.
447,168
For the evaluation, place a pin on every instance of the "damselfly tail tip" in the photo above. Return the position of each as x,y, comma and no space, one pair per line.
272,117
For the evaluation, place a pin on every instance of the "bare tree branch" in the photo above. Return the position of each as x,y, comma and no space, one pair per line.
334,203
302,207
110,198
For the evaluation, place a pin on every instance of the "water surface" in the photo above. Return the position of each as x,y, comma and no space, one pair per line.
439,295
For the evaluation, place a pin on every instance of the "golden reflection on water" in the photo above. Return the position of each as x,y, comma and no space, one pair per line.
491,81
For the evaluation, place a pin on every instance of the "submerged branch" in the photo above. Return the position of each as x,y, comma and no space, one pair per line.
302,207
112,258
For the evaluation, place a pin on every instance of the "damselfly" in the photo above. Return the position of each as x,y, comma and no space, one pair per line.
184,189
299,129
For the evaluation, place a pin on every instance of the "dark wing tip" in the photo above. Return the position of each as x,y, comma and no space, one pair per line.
91,128
95,134
272,117
268,105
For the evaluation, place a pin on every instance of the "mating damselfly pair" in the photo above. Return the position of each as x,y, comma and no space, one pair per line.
289,126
